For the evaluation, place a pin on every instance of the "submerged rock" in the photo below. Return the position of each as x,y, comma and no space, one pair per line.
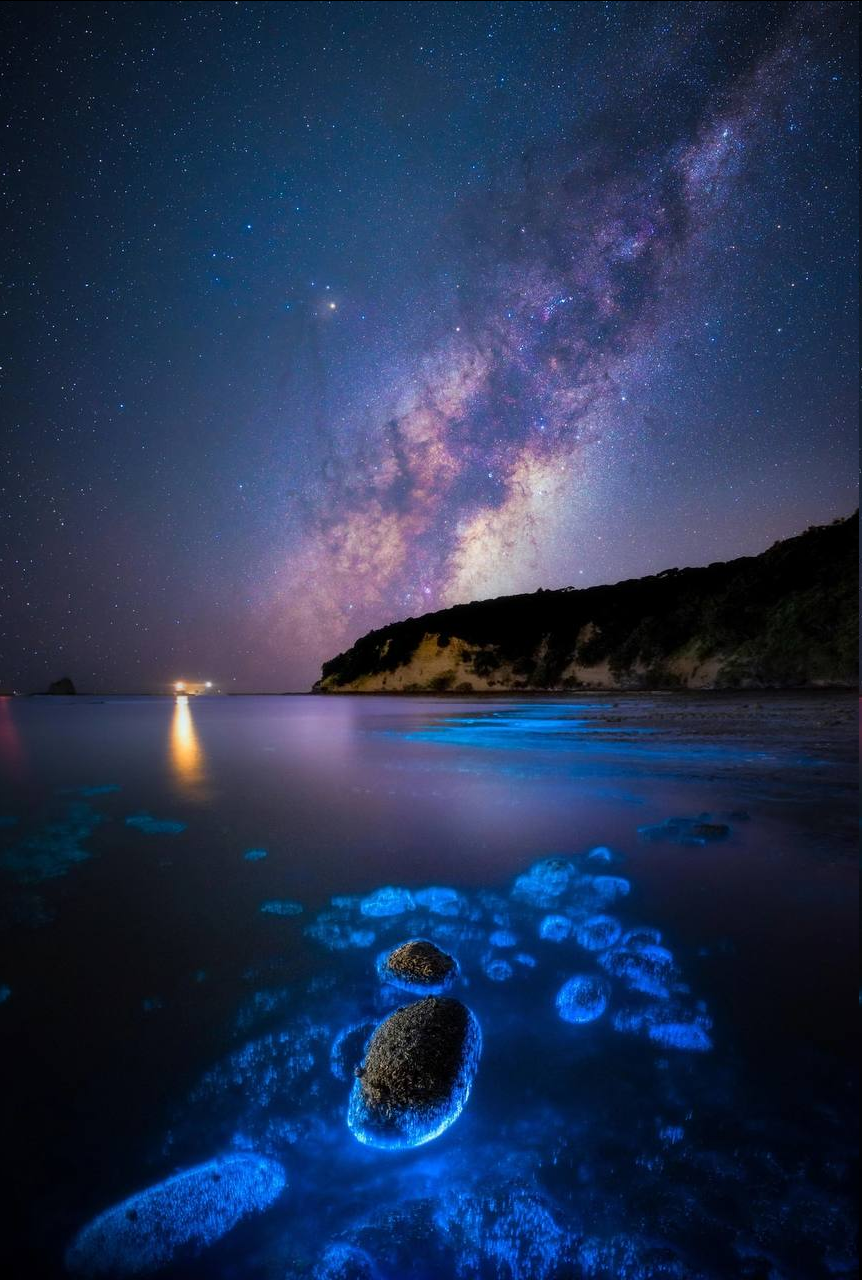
388,901
497,970
555,928
583,998
419,966
440,901
342,1261
598,933
186,1212
503,938
417,1074
648,968
544,882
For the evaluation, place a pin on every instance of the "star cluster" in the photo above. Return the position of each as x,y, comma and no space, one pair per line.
322,315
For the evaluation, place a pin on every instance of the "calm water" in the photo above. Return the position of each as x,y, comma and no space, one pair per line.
154,1017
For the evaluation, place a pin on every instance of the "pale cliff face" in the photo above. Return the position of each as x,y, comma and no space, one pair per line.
450,668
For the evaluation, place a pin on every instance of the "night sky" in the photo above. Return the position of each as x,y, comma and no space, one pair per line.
321,315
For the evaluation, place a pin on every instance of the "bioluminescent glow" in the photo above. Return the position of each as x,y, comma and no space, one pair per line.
254,855
545,881
609,888
281,907
151,826
496,969
440,901
598,933
503,938
555,928
388,901
190,1210
55,848
687,1036
582,998
648,968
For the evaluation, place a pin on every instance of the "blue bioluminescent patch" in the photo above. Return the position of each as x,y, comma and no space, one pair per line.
598,933
686,1036
582,998
388,901
544,882
151,826
55,848
338,936
609,888
254,855
503,938
281,907
440,901
555,928
497,970
647,968
191,1210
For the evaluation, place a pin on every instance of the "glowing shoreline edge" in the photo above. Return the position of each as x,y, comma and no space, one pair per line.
410,1129
195,1208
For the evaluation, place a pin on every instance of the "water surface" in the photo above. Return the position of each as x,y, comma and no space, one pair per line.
155,1017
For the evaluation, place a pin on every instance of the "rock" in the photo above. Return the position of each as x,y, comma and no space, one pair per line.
440,901
598,933
419,966
193,1209
555,928
343,1261
582,999
497,970
63,687
388,901
417,1074
647,968
544,882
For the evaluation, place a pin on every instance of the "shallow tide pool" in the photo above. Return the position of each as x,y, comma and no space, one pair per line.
652,902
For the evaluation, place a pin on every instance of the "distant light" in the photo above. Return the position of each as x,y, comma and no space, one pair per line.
209,684
179,686
332,306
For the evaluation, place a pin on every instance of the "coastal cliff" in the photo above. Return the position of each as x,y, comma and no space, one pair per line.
784,619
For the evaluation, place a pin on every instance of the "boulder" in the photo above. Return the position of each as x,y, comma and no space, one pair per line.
417,1074
419,966
182,1215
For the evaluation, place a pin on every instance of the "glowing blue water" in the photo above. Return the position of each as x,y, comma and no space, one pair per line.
664,1088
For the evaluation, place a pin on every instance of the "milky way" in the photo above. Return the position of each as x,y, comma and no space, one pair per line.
593,319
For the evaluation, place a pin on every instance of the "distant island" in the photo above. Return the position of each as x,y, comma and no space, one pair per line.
784,619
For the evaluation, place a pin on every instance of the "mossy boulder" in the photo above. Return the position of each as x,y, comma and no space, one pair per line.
417,1074
420,966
